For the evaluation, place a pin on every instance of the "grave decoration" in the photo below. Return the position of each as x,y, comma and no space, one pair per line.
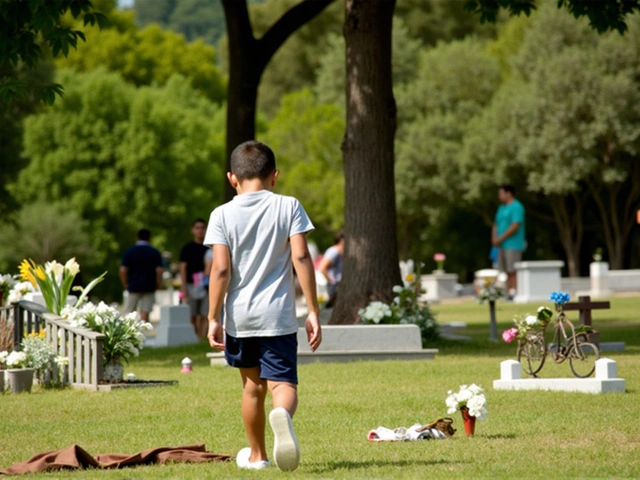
569,342
439,258
124,334
472,404
491,292
53,281
35,358
404,309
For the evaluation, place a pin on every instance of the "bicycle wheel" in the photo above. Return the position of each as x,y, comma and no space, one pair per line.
534,352
582,359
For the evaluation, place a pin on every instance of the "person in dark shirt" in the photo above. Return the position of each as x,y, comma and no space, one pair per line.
193,288
141,274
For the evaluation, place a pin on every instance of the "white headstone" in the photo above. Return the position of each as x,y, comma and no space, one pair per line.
536,280
175,327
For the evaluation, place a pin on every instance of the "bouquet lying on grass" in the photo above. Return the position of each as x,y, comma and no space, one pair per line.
470,397
124,334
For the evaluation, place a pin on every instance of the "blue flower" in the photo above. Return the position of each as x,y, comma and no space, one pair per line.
560,297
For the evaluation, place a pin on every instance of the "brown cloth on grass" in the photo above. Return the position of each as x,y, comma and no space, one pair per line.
76,457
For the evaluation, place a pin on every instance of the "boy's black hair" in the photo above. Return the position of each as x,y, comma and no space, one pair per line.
252,159
509,189
337,237
198,220
144,235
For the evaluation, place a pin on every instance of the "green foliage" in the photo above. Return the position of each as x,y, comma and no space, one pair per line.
25,26
192,18
305,135
149,56
330,83
43,231
434,111
603,15
295,65
126,158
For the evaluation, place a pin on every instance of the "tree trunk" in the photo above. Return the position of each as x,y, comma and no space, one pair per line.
248,58
370,267
570,230
617,213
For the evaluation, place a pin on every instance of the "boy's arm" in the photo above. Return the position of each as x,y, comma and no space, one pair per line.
218,284
306,275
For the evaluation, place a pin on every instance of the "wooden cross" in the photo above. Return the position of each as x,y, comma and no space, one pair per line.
584,305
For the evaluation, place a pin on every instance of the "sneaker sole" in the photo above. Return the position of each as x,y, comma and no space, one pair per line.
286,451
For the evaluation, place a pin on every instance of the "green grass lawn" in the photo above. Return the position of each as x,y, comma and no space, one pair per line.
527,434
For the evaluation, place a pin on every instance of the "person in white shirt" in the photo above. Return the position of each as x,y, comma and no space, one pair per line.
257,240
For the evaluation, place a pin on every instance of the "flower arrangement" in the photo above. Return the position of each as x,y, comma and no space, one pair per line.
439,259
40,355
405,308
54,281
124,335
14,359
527,325
469,397
377,312
490,292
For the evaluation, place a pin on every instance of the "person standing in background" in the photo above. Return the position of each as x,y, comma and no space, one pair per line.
141,274
192,285
508,234
331,267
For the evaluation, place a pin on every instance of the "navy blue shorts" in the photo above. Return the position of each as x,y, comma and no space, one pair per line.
277,357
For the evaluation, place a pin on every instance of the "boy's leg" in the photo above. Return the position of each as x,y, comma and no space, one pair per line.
254,391
285,395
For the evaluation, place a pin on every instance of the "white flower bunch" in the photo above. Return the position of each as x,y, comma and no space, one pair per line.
19,290
124,335
16,360
470,397
376,312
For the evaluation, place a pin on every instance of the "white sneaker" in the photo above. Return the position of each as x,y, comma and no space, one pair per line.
286,451
242,460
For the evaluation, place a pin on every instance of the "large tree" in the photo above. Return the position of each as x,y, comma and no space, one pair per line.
371,250
248,58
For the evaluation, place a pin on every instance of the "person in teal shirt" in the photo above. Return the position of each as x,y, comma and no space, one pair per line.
508,234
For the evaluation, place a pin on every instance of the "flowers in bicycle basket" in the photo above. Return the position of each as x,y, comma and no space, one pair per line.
560,298
527,324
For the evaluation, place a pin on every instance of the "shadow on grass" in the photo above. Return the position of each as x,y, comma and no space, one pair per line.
499,436
355,465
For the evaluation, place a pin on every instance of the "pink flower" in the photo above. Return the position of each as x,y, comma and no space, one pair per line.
439,257
510,335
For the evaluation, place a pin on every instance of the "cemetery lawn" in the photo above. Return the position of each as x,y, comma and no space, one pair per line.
526,435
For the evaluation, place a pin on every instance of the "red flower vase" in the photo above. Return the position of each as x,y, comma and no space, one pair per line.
469,422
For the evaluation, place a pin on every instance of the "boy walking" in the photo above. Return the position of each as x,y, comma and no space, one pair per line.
256,239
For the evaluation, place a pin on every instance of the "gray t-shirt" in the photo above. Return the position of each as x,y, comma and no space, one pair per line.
256,227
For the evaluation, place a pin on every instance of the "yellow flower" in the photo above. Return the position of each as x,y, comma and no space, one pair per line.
411,277
26,272
39,271
321,299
